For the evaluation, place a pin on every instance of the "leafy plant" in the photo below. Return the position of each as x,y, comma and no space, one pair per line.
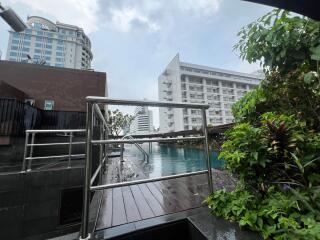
278,216
274,148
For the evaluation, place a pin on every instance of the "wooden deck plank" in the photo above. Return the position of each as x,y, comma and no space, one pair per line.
187,198
118,209
152,201
167,201
105,213
143,207
131,208
171,195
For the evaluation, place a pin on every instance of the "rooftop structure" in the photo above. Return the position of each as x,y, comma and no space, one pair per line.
192,83
53,44
51,88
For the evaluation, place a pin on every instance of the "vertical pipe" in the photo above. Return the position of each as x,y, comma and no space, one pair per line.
206,149
25,152
87,175
31,152
70,149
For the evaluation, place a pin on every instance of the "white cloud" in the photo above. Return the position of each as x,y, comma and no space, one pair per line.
199,7
154,15
124,19
82,13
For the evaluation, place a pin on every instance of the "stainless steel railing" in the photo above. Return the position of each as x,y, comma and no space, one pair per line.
144,153
94,110
29,147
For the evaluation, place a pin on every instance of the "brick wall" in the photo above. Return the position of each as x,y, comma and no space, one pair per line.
67,87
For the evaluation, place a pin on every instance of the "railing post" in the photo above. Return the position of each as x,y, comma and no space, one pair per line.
31,152
84,234
206,149
101,153
121,152
70,149
25,153
105,145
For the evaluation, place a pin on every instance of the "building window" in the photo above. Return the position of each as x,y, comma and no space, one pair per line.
59,59
48,52
48,46
14,48
48,105
15,41
37,50
25,49
39,39
60,48
38,45
49,34
59,54
16,35
13,54
27,37
26,43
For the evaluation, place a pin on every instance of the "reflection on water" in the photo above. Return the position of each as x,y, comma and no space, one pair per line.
167,160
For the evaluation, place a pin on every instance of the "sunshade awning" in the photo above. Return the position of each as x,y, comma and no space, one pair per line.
309,8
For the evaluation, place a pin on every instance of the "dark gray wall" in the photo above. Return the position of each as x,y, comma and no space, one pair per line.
30,202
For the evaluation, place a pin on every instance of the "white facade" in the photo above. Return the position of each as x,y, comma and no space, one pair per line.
142,122
59,45
191,83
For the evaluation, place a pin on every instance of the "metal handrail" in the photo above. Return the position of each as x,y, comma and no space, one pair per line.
33,133
145,154
92,99
89,180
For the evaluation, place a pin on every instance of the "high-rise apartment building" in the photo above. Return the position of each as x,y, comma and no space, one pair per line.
44,42
142,122
191,83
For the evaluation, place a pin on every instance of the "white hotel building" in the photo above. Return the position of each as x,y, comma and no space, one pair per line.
142,122
52,44
191,83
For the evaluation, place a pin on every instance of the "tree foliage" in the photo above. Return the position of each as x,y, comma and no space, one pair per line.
280,42
118,121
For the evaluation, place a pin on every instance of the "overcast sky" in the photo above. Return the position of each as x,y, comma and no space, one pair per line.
134,40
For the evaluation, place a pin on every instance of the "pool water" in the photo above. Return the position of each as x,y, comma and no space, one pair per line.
167,160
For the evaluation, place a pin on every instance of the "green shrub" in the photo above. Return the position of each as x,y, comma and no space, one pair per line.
274,147
279,216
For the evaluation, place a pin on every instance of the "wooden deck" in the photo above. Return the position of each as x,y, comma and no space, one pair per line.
138,202
133,203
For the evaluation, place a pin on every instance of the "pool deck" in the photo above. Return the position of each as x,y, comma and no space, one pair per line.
134,203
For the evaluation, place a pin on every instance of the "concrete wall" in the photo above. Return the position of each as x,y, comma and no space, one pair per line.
67,87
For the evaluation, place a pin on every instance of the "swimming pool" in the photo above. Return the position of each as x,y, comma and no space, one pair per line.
167,160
